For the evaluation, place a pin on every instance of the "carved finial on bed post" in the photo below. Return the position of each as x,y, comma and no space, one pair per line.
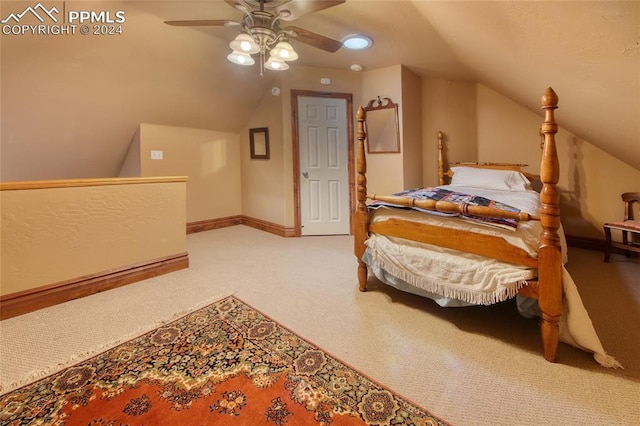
440,159
549,254
361,215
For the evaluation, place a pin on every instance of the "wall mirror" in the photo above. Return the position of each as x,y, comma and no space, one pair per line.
383,129
259,140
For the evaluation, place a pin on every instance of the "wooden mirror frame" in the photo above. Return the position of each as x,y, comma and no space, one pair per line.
259,143
392,144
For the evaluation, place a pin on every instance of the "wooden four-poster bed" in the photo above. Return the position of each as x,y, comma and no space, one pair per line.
544,262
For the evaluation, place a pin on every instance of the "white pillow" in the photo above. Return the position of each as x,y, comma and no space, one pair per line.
500,180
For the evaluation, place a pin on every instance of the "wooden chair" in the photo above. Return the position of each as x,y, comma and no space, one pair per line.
628,226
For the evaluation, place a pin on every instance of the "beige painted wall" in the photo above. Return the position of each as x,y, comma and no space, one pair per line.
450,107
55,234
591,181
264,182
132,165
385,172
411,128
210,159
392,172
482,125
508,132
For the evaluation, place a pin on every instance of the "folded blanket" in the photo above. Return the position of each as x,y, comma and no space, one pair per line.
441,194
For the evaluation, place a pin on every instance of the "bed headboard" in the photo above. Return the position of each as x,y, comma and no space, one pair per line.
445,173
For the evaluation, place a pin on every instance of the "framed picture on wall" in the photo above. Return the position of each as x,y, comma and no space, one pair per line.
259,143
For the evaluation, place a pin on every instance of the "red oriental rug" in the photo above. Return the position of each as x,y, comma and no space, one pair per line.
223,364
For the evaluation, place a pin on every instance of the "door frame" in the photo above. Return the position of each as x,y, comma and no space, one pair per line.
348,97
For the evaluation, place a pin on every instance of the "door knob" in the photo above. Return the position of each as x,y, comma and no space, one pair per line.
305,174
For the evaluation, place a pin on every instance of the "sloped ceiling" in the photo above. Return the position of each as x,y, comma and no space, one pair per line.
589,52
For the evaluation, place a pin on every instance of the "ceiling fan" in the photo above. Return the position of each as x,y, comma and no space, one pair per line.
261,31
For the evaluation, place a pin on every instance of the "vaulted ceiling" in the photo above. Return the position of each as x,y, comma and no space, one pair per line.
589,52
88,94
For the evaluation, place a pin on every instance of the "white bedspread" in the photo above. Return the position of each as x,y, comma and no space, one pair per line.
467,277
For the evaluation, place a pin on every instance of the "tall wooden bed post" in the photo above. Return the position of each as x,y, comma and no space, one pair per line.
361,215
440,160
549,253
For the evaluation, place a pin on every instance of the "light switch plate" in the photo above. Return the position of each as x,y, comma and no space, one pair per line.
157,155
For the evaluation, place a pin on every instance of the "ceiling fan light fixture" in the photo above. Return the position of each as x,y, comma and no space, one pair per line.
275,64
284,51
357,42
262,32
245,43
240,58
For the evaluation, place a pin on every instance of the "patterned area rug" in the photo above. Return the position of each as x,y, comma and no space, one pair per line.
223,364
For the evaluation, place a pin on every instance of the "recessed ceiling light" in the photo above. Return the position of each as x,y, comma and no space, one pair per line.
357,42
356,67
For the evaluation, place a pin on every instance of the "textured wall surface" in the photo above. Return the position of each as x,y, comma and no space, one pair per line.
55,234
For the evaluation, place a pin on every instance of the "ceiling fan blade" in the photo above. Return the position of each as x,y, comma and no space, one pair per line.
247,6
203,23
290,9
313,39
298,8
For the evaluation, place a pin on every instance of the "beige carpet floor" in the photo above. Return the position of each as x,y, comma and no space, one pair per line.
469,366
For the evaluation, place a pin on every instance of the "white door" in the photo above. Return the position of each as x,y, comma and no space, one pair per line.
324,175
